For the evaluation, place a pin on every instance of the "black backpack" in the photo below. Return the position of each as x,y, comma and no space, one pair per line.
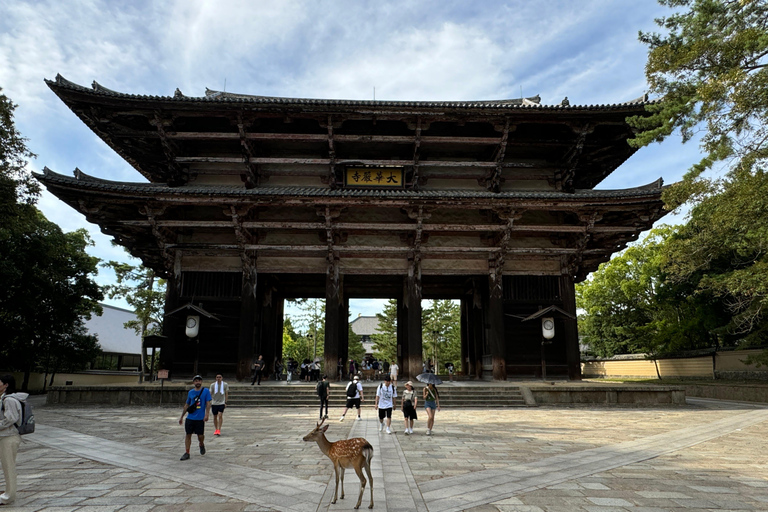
321,389
351,389
27,423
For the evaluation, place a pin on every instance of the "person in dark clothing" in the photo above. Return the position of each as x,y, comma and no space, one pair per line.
324,392
258,369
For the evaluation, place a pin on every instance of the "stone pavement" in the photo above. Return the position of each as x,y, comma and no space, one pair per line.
708,455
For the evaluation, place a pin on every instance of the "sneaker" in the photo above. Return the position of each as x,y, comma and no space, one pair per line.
381,426
359,418
202,449
388,431
217,433
341,419
185,457
325,417
429,432
407,432
5,499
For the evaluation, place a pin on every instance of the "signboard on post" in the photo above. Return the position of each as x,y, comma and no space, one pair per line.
162,375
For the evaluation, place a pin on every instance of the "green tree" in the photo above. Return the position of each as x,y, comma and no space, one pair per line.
631,307
385,339
46,285
144,291
441,331
356,350
710,68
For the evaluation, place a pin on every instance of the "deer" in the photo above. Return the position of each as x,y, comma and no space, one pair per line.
347,453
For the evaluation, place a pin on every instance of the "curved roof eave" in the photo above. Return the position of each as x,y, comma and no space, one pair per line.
84,182
217,97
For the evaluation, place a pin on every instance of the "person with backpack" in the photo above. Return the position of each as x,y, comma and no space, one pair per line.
198,409
385,401
354,397
12,410
323,392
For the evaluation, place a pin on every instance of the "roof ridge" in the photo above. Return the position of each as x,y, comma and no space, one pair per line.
221,96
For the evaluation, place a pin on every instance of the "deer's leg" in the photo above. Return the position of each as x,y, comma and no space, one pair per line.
359,471
336,490
341,470
370,480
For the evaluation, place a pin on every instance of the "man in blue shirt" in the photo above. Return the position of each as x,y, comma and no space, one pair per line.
198,407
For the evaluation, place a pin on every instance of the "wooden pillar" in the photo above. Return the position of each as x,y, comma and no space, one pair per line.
173,328
496,325
247,326
336,320
270,326
568,295
401,355
413,365
464,338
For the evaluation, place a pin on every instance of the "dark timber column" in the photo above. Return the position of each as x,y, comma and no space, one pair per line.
477,330
173,328
496,324
247,323
568,295
413,365
401,355
334,310
270,325
464,338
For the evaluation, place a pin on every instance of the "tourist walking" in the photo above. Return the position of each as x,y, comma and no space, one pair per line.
393,370
219,396
431,404
354,392
352,368
198,409
385,401
323,392
450,368
408,405
258,369
9,435
290,368
278,368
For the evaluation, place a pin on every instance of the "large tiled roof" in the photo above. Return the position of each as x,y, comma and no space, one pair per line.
81,180
212,96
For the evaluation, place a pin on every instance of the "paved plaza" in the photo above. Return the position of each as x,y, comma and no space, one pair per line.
708,455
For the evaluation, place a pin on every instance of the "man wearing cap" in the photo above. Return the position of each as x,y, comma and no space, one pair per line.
385,401
354,397
197,408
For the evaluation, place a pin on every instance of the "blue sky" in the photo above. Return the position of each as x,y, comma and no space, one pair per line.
586,50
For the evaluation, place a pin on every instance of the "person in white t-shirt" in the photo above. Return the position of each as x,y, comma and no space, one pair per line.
385,401
220,395
393,369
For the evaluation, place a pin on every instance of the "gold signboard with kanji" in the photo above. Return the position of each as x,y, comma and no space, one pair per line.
373,177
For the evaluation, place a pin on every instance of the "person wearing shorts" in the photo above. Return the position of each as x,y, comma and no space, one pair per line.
408,406
431,404
354,402
198,405
385,401
220,394
393,369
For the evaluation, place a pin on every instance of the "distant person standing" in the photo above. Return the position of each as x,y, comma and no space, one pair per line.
408,406
323,392
354,392
352,369
449,367
393,370
290,368
278,368
258,369
9,435
385,401
340,368
219,396
198,405
431,404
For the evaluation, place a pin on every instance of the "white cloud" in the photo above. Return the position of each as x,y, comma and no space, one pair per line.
428,50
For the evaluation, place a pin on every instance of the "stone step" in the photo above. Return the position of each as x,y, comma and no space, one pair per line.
305,396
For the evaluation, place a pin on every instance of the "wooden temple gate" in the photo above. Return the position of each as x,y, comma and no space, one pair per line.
253,200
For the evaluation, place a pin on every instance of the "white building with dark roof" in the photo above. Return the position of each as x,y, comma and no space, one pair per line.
365,326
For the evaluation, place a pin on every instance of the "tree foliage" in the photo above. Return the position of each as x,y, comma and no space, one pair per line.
631,306
710,67
441,328
144,291
46,285
385,339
